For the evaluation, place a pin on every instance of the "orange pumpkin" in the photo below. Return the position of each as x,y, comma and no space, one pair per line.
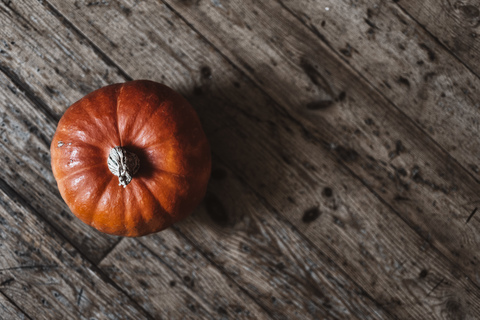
131,159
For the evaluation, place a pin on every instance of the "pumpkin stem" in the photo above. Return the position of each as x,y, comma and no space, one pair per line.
123,164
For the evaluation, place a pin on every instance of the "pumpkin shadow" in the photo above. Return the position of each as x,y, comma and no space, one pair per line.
147,169
246,142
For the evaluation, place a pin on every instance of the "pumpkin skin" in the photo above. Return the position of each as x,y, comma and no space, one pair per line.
149,120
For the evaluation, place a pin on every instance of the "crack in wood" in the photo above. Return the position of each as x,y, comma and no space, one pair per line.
43,267
436,286
7,282
471,215
79,296
16,306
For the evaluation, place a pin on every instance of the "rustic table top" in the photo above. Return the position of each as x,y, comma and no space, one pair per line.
345,143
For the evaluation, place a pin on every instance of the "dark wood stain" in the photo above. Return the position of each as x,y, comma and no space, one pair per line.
319,105
206,73
347,154
315,76
399,148
431,54
469,11
311,215
423,273
454,310
370,23
7,282
404,81
189,281
347,51
311,72
327,192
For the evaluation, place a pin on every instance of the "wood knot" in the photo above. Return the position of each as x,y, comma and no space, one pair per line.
468,11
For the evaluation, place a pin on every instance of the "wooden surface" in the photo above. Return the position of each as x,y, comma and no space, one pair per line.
345,152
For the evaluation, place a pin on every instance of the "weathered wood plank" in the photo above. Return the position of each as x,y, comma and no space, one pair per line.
62,63
282,272
174,284
377,141
344,214
8,311
30,59
409,67
45,275
25,136
455,25
264,255
265,146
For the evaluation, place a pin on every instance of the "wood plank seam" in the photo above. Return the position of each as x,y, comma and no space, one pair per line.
69,25
164,263
177,230
23,202
16,306
107,252
203,254
30,95
371,85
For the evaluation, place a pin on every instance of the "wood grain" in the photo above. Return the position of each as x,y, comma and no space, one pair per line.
402,61
168,294
454,24
45,275
29,109
38,49
9,311
241,141
176,284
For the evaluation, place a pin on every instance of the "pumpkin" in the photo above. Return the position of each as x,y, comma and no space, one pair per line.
131,159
